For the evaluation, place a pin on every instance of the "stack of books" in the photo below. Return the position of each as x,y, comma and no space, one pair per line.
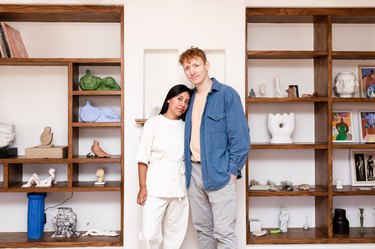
11,44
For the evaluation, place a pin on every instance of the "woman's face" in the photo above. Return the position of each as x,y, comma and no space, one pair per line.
178,105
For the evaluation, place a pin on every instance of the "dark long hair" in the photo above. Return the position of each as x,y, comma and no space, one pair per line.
173,92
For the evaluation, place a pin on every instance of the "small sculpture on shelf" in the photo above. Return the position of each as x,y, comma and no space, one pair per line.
304,187
252,93
361,229
278,92
96,151
310,95
281,127
100,232
287,185
339,184
100,176
90,82
46,137
283,218
65,222
262,89
291,92
7,134
89,113
37,182
345,85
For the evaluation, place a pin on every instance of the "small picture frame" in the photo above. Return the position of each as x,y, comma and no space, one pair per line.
367,79
362,167
342,126
296,92
367,126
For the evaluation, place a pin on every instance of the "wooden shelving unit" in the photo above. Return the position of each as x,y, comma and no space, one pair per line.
13,167
322,56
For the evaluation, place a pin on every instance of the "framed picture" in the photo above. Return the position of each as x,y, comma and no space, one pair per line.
296,92
367,126
367,79
362,168
342,126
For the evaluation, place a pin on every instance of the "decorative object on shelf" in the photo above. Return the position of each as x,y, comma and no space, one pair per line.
367,81
283,218
361,229
96,151
89,113
306,225
278,92
252,93
291,92
281,127
296,91
262,89
7,134
100,176
340,222
362,167
46,149
255,225
100,232
260,233
342,126
12,42
46,137
310,95
35,215
304,186
65,222
367,126
35,180
345,84
287,185
339,184
89,82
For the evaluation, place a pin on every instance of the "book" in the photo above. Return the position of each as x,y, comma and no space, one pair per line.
13,38
5,53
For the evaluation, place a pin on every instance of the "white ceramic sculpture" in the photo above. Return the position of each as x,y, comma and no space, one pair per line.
278,92
100,176
284,217
100,232
262,89
345,85
7,134
35,180
281,127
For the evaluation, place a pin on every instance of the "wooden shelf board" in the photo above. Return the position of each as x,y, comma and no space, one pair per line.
284,54
83,186
284,100
61,13
293,236
348,100
60,61
352,191
141,121
19,240
353,145
24,160
355,237
313,191
97,124
84,159
353,55
296,146
96,93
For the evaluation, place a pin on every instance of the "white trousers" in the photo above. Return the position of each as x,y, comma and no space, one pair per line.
164,223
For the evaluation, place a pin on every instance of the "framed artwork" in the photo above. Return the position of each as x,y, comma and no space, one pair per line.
367,126
367,81
342,126
362,168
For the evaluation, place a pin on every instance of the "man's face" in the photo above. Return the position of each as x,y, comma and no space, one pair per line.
196,70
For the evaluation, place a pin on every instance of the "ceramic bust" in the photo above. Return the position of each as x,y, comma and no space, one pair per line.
46,137
100,176
345,85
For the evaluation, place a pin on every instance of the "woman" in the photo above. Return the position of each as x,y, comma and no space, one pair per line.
161,172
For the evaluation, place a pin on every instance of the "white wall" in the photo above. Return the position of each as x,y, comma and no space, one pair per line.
168,27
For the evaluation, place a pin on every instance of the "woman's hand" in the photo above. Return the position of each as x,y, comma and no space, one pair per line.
142,196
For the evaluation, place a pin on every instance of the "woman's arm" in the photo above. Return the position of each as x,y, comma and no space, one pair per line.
142,193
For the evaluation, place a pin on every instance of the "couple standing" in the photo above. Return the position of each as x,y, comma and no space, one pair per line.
195,162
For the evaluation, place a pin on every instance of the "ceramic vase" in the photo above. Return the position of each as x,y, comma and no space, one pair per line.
345,84
340,222
65,222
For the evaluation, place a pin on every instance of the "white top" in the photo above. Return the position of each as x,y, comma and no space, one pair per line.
161,147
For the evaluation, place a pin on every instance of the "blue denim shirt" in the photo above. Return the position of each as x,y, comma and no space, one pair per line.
224,137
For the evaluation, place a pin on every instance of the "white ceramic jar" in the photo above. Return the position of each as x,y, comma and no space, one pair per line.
345,85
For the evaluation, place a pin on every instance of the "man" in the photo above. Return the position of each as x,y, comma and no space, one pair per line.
216,145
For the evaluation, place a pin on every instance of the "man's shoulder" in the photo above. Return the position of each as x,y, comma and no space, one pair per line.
223,87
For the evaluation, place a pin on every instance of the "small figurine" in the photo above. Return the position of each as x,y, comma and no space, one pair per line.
35,180
291,92
284,217
252,93
96,151
308,95
7,134
361,230
306,224
303,187
100,232
278,92
46,137
262,89
339,184
288,185
100,175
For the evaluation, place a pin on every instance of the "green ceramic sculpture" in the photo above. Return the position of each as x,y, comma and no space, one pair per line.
108,83
89,81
